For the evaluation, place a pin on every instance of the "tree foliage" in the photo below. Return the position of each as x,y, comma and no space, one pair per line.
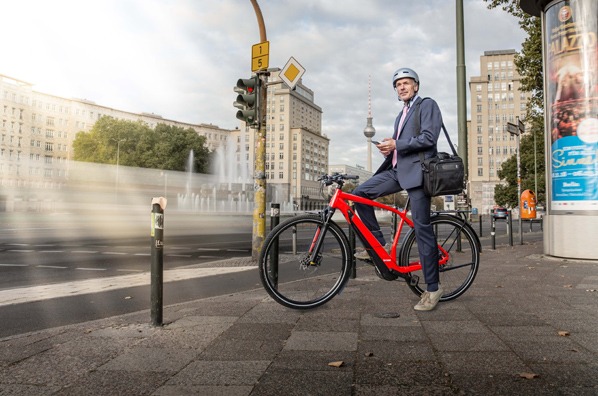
165,147
529,67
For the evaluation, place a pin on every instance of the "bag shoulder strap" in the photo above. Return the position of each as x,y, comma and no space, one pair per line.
417,130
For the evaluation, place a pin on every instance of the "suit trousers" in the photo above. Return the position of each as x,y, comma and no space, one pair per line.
385,183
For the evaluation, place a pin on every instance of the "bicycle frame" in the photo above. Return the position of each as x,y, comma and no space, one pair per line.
386,264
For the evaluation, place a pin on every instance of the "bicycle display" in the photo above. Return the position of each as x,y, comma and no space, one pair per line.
306,260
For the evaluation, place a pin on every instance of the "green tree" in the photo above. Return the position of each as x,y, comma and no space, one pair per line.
529,67
166,147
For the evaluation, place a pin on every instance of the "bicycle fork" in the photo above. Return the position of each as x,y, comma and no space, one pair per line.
313,255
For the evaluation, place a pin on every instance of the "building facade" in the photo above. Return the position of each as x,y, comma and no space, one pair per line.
37,134
496,99
296,149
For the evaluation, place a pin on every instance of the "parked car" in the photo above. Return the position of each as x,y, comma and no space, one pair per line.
500,213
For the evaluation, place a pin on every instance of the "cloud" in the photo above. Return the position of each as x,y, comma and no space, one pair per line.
181,59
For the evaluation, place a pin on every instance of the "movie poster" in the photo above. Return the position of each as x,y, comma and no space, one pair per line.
572,97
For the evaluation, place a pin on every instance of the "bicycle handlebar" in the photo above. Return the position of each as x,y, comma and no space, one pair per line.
336,178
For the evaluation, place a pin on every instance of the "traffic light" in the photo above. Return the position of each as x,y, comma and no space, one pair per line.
247,100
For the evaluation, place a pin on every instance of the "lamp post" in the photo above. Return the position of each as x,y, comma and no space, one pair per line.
118,141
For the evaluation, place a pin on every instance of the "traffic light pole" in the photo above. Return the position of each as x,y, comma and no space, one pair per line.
259,177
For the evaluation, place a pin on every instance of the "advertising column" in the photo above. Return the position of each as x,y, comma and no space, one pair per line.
571,95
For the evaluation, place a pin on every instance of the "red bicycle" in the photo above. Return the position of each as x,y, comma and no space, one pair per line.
306,260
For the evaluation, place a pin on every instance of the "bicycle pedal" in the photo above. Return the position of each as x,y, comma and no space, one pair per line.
414,280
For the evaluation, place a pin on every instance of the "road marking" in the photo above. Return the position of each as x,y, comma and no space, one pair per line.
14,265
237,250
44,245
51,251
128,270
84,251
207,249
207,256
21,251
142,254
50,266
178,255
113,253
56,290
17,244
91,269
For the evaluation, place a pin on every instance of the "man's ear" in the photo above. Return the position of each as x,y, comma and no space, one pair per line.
416,87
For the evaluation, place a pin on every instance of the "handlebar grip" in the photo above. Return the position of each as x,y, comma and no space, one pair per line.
349,177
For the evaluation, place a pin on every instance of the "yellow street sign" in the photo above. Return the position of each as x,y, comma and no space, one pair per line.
291,73
260,56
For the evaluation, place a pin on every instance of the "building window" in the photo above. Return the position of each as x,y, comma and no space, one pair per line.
479,140
281,156
479,129
479,98
49,146
480,172
489,66
281,175
480,150
479,108
480,161
479,118
478,87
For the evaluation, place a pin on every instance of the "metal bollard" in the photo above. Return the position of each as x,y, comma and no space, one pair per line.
481,226
157,266
542,223
352,260
510,227
273,267
493,232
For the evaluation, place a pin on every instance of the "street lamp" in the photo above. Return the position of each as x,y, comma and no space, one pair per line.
517,130
118,141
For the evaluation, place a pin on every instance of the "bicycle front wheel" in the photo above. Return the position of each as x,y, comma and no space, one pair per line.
458,254
288,272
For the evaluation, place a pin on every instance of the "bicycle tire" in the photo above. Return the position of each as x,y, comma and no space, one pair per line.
456,275
299,284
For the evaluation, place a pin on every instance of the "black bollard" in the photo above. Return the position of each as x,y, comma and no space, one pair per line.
493,232
352,260
157,266
273,267
481,226
510,227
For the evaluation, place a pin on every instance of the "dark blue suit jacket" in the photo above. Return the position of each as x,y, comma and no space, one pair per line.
409,144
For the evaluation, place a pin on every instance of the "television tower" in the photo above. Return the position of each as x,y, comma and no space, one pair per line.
369,130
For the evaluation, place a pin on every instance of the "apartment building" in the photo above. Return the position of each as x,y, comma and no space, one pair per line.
296,149
37,131
496,99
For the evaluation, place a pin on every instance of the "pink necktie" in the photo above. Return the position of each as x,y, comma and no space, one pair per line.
394,155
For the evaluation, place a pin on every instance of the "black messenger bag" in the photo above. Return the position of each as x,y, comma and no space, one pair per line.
443,173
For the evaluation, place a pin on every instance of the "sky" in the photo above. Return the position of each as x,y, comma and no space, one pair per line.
181,58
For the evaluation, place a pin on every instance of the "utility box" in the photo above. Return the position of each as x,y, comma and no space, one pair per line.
528,205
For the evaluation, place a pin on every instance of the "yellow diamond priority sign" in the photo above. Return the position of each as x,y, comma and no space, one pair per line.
291,73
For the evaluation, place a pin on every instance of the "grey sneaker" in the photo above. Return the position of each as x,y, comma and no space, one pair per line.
363,255
429,300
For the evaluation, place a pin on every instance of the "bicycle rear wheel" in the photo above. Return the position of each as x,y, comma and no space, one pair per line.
458,245
288,273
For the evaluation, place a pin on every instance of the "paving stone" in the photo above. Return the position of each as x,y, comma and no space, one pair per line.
388,333
322,341
108,383
497,384
391,351
467,342
482,362
172,390
456,327
151,359
220,373
180,339
27,390
380,373
313,360
300,383
258,331
568,375
49,370
224,349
